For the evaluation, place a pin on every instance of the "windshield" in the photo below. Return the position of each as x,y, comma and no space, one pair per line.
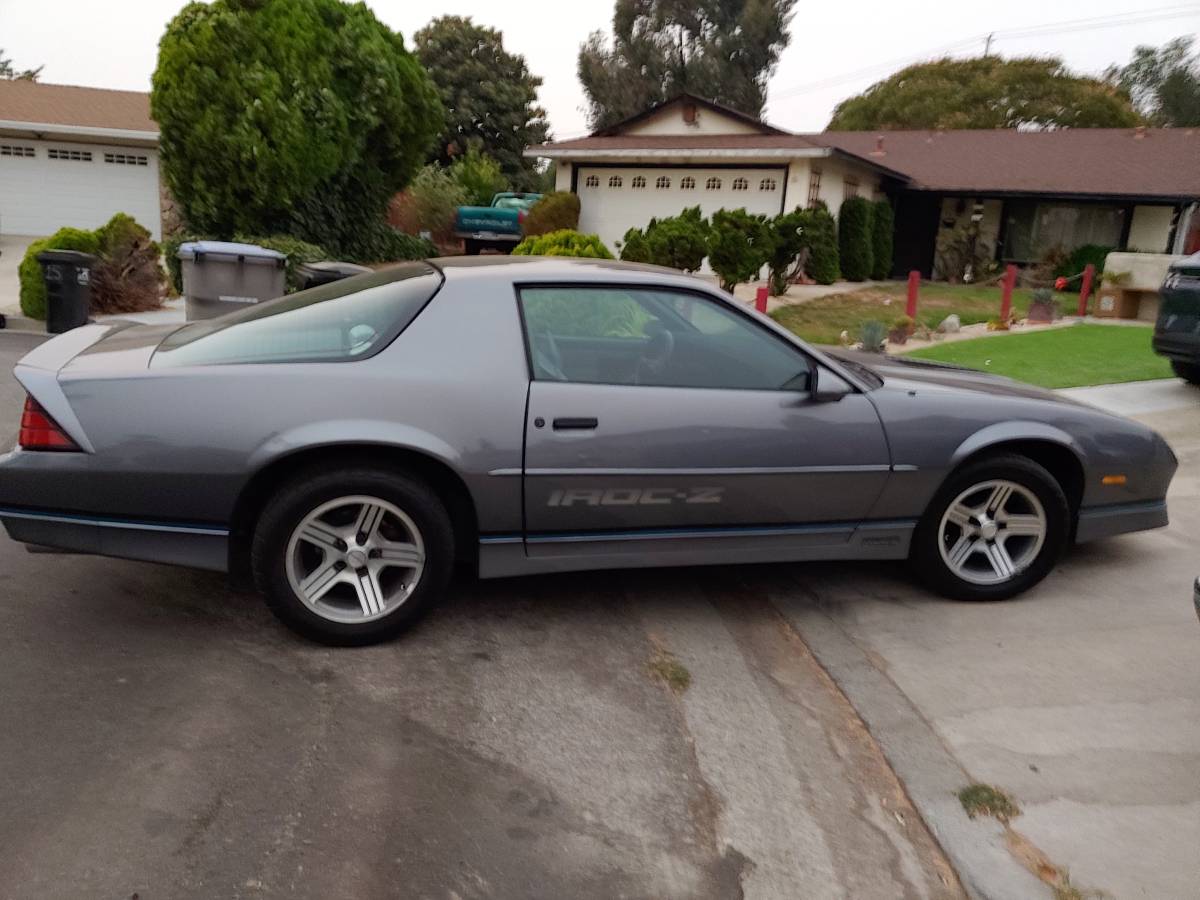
339,322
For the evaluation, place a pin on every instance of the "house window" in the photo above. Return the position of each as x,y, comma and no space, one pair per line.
740,184
125,159
592,181
767,184
1032,230
849,188
662,183
15,150
687,183
614,181
814,187
75,155
639,181
713,184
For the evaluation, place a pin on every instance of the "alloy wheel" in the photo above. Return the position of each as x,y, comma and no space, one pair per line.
355,559
992,532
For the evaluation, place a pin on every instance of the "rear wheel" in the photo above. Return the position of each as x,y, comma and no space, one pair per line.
471,247
995,529
1189,372
353,557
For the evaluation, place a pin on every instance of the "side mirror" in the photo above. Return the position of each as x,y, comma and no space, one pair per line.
828,386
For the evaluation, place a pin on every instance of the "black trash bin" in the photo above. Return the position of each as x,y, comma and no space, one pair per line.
67,274
326,272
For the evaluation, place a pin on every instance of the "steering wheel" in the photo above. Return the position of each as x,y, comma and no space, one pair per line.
546,358
656,355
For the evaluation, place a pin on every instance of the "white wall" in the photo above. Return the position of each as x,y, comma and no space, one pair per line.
1151,228
669,120
834,173
562,176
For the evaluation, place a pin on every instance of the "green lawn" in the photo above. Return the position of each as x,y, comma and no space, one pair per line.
823,320
1061,357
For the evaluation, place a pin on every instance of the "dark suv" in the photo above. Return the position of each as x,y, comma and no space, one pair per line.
1177,331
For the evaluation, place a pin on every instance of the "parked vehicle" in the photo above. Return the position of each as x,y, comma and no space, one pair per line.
347,445
1177,331
495,227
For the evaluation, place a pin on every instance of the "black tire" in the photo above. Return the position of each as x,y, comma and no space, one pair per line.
305,493
926,555
471,247
1189,372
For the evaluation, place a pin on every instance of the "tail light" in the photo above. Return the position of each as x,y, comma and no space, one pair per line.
521,216
40,432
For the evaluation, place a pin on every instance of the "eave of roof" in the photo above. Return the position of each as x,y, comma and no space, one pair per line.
72,110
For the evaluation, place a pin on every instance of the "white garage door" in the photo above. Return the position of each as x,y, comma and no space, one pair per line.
614,200
45,185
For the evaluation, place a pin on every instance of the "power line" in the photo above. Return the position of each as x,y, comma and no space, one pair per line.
1071,25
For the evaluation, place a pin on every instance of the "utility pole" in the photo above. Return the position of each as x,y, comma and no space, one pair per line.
987,47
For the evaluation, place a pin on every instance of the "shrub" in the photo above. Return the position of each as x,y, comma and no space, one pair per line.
678,242
29,272
479,176
429,204
872,334
281,116
883,223
819,238
563,243
1078,258
127,277
739,245
962,255
854,239
786,250
401,246
296,251
556,211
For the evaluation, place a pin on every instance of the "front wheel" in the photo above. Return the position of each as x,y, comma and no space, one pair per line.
354,556
995,529
1189,372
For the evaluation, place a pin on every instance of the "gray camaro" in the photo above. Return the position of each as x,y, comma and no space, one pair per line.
349,444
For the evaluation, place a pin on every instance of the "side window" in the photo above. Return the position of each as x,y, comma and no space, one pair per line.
647,337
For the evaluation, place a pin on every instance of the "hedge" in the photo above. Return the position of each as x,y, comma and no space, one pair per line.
821,239
29,272
564,242
883,223
556,211
854,239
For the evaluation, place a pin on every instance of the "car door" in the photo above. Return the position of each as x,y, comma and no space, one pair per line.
659,414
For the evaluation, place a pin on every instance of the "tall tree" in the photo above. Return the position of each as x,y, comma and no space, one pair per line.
299,117
8,73
986,92
724,50
489,95
1164,82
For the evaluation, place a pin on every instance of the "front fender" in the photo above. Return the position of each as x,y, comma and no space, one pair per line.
1015,430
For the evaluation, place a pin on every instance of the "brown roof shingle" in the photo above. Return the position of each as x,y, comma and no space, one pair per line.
62,104
1151,162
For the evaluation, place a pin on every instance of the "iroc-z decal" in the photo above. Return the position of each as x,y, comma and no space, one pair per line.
635,496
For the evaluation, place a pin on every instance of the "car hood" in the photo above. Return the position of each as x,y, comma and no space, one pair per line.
903,372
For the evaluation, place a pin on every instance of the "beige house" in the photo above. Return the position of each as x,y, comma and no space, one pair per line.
1030,191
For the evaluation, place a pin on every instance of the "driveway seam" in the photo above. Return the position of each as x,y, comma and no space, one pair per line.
928,771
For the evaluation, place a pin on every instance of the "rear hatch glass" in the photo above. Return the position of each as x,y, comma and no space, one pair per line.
1179,310
340,322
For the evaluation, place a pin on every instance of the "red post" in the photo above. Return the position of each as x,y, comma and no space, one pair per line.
760,299
1006,291
914,285
1085,289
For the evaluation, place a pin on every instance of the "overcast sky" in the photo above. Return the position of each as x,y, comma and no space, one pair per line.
114,44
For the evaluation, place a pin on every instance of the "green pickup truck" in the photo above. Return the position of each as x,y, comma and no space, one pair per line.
495,227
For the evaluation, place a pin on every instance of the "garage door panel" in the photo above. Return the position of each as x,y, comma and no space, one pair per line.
40,194
611,204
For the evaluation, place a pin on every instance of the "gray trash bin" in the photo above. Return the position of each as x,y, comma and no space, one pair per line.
221,277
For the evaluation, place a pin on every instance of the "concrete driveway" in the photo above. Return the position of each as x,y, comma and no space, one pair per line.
163,737
12,251
1080,699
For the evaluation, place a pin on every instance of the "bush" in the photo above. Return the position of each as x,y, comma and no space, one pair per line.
883,223
29,272
962,255
678,242
556,211
479,176
127,277
296,251
872,335
739,246
429,204
301,117
563,243
786,250
819,237
401,246
1074,263
854,239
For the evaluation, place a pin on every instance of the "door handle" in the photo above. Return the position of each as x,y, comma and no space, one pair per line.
583,423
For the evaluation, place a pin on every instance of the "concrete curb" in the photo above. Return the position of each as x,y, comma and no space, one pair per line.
22,324
931,775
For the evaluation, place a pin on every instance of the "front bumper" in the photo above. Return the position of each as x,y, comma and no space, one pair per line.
1120,518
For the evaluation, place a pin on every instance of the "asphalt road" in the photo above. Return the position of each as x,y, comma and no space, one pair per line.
163,736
